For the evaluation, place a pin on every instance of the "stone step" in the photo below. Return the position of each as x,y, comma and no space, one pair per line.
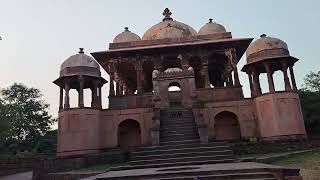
178,138
178,127
189,141
177,119
181,159
165,136
177,123
159,165
238,176
187,144
179,131
174,134
170,154
198,148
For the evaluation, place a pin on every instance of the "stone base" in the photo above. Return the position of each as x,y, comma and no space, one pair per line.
242,170
285,137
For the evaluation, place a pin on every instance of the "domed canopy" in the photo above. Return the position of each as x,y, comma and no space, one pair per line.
266,47
168,28
211,28
80,64
266,43
126,36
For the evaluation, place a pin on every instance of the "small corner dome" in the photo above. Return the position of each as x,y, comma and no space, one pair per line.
126,36
80,64
169,28
267,43
212,28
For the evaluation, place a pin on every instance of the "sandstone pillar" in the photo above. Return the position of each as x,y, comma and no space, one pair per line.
251,84
229,80
285,77
117,89
256,82
270,78
138,67
80,93
66,97
94,95
121,87
293,80
205,74
111,86
99,103
236,76
61,98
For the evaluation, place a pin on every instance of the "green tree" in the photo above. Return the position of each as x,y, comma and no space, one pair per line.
26,113
312,81
4,124
310,102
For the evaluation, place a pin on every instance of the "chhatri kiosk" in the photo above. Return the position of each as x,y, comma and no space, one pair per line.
207,105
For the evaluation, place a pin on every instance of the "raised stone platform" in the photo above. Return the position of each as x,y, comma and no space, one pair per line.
243,170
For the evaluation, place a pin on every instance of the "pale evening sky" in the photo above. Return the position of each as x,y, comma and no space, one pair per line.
38,35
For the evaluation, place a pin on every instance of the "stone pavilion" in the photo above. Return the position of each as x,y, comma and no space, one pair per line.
207,104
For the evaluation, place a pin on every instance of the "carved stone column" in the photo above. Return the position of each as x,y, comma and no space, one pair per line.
204,71
270,78
256,82
66,97
138,67
285,77
61,98
111,87
236,76
229,80
184,60
205,74
293,80
117,79
155,131
253,94
121,87
99,95
94,95
232,57
80,93
117,89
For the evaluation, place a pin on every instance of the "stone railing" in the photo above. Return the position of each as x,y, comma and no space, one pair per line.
130,101
169,40
174,74
220,94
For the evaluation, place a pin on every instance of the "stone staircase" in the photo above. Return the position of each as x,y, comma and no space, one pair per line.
179,145
181,156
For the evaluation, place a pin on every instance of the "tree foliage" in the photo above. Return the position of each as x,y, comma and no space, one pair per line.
310,102
312,81
25,116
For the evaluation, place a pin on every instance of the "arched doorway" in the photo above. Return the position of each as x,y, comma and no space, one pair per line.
174,93
129,133
226,126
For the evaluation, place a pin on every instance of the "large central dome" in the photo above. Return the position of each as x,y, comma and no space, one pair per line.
168,28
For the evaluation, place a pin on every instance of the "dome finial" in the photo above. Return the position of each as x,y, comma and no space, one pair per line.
126,29
167,13
81,51
210,20
263,35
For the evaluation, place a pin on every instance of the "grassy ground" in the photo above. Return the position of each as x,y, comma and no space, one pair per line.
308,163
